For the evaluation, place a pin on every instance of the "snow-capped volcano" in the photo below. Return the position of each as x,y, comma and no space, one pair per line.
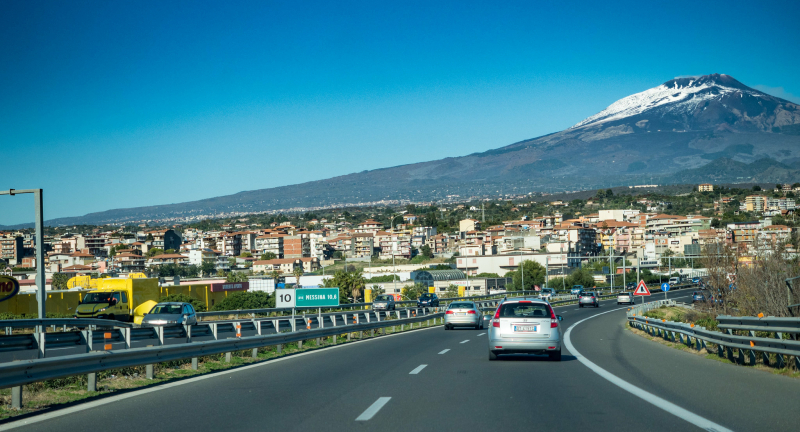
699,103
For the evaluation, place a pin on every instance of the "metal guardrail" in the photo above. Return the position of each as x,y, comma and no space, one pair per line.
726,343
57,355
266,311
40,324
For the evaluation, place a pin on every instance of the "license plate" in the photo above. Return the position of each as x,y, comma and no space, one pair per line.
526,328
461,313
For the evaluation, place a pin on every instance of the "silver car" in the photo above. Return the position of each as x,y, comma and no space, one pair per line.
625,297
463,314
169,314
588,298
383,302
525,326
547,293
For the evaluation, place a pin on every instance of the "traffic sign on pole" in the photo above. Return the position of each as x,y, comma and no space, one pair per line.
285,298
641,289
317,297
665,286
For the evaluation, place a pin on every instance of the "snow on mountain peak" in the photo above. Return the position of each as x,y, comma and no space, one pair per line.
683,93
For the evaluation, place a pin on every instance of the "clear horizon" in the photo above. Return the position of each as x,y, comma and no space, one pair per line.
115,105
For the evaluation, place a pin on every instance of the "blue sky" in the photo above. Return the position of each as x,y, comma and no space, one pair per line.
113,104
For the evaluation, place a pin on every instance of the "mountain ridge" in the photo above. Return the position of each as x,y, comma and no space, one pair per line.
665,133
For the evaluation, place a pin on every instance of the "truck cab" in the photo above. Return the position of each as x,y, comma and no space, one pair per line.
114,305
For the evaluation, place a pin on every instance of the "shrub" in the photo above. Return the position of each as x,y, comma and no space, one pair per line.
245,300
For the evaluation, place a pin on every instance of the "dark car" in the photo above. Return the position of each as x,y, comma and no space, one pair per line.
169,314
428,300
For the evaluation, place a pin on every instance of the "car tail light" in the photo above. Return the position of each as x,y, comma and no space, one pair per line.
525,301
495,323
471,312
449,312
551,347
499,347
497,313
553,318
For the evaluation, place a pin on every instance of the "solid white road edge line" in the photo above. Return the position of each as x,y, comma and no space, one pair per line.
444,351
107,400
464,341
665,405
373,409
417,369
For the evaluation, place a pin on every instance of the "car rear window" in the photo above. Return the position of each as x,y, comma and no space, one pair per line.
384,298
524,310
462,305
587,294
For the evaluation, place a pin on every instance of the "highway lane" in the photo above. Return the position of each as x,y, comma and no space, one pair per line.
734,396
370,385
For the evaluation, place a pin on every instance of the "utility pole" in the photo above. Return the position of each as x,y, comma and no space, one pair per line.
41,282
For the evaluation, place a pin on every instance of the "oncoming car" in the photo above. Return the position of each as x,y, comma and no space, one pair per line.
170,313
525,326
463,314
383,302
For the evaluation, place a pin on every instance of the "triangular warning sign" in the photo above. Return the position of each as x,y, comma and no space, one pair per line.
641,289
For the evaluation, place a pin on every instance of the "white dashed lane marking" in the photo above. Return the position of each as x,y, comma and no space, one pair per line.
417,369
444,351
373,409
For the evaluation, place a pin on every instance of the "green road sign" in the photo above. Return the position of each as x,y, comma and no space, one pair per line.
317,297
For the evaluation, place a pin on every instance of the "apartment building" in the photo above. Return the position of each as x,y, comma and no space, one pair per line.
162,259
217,259
129,262
297,246
272,243
93,244
12,249
742,233
467,225
755,203
165,239
775,234
706,187
369,226
230,243
286,265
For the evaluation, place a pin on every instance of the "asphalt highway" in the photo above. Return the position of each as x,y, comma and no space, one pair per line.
433,379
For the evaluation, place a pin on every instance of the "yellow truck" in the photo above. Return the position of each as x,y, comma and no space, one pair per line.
119,299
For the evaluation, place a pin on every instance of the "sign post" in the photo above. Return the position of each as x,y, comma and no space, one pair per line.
641,290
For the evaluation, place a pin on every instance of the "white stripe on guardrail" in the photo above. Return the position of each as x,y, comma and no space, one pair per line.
664,404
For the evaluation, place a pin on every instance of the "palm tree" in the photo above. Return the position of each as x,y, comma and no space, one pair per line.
298,271
357,284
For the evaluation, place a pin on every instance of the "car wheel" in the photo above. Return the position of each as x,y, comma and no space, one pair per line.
555,355
492,356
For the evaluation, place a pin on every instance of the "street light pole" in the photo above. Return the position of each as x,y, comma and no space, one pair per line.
39,239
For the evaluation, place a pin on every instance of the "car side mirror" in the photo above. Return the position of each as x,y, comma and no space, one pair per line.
559,317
